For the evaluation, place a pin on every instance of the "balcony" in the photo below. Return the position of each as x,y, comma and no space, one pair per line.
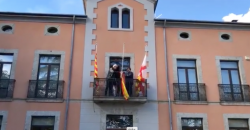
6,89
45,90
234,93
190,92
108,90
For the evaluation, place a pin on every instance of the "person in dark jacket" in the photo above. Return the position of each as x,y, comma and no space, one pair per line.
113,80
129,76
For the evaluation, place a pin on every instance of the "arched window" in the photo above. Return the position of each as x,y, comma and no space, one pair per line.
125,18
114,18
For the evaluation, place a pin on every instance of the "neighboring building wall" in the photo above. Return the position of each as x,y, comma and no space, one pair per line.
137,41
206,45
27,40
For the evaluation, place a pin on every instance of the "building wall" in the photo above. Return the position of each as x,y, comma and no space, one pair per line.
110,42
28,39
206,45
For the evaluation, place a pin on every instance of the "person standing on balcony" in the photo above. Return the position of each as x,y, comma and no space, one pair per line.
129,76
113,80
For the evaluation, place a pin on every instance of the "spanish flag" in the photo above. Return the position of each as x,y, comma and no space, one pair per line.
123,87
141,77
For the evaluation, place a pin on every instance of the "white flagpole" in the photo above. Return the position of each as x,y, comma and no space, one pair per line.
122,55
96,48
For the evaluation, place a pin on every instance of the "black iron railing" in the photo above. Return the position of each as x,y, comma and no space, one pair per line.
190,92
7,88
234,92
107,87
45,89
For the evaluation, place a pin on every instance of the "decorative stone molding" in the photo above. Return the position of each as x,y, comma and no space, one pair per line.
192,115
29,115
47,52
230,37
13,66
4,115
237,116
49,26
7,24
193,57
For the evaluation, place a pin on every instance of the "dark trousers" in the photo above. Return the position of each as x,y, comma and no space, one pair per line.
109,87
129,86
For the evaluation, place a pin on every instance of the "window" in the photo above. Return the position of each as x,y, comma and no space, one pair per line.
187,79
238,124
42,123
118,61
5,71
7,28
48,76
119,122
120,17
125,18
52,30
1,119
184,35
224,36
231,84
115,18
192,124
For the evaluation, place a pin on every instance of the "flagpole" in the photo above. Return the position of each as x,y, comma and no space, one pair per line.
96,48
122,55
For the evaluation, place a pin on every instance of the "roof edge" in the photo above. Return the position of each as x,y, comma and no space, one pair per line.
42,17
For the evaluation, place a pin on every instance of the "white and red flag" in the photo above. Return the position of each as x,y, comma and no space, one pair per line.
141,77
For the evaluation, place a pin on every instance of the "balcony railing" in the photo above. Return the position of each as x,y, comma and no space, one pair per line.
110,89
234,93
45,89
6,88
190,92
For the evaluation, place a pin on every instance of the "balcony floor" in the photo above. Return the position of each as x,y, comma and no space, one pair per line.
119,99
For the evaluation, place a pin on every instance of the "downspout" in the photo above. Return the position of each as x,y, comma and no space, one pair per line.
70,73
167,78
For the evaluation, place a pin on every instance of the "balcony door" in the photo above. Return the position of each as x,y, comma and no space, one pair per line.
48,76
118,61
187,80
231,80
5,69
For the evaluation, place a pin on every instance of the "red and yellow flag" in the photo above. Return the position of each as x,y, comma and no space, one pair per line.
96,73
123,87
141,77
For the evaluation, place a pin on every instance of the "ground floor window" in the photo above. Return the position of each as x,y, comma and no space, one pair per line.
1,119
191,124
238,124
42,123
119,122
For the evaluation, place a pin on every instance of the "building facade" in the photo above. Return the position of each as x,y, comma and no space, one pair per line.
197,71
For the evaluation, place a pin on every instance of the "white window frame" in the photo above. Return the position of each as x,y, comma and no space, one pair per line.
120,7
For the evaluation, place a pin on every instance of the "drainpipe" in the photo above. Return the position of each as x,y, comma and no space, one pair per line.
167,78
70,73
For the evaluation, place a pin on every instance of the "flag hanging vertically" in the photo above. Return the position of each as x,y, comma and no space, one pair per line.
141,77
123,85
96,71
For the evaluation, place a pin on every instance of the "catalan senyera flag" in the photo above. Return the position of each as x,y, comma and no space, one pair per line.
96,73
123,87
141,76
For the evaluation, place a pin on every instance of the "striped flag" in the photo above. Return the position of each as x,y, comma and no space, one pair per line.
123,87
96,73
141,77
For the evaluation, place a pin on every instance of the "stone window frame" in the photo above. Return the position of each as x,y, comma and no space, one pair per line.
231,58
192,115
47,52
4,115
237,116
183,39
228,33
9,24
14,62
120,8
118,111
49,26
107,60
29,115
189,57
